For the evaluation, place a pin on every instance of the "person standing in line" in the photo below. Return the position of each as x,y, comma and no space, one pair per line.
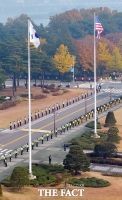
14,124
21,149
46,111
10,156
42,113
4,157
16,153
49,110
59,106
27,147
35,115
5,162
37,142
20,122
10,126
50,159
63,104
32,144
42,139
47,135
31,117
51,135
25,120
64,146
38,114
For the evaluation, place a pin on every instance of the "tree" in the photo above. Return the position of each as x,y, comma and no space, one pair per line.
19,177
115,62
62,59
0,190
104,57
105,149
76,160
113,135
66,177
110,119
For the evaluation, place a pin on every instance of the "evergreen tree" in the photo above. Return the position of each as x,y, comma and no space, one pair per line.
110,119
105,149
76,160
113,135
19,177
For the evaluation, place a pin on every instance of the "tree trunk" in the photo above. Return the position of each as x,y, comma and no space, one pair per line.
18,80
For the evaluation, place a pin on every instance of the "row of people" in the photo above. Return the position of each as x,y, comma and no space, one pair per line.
49,110
62,129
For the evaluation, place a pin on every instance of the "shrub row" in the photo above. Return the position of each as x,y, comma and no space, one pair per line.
91,125
90,182
8,104
109,161
40,96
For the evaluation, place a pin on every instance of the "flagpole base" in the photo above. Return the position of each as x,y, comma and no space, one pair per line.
95,135
31,176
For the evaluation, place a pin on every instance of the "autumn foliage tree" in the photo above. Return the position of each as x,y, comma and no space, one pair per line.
62,59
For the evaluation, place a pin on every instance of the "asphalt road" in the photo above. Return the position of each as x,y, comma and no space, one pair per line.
11,140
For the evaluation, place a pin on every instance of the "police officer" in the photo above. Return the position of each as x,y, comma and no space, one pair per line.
25,120
89,115
5,162
10,156
27,147
61,130
37,142
67,126
4,157
42,112
64,128
31,117
98,109
46,111
70,125
32,144
64,146
35,115
49,110
21,149
73,123
47,135
51,135
92,113
78,121
56,131
50,159
10,126
38,114
15,153
42,139
86,116
20,122
63,104
14,124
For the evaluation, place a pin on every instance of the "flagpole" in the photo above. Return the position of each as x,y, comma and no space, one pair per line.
29,101
95,100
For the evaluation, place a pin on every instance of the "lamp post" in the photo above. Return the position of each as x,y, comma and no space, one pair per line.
84,75
111,93
54,112
85,105
73,57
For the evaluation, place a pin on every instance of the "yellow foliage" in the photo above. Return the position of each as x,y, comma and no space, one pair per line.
62,59
115,62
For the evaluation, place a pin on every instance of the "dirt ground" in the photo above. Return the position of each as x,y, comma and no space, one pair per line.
21,110
112,192
118,116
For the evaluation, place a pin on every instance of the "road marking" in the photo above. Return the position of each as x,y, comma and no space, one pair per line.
37,130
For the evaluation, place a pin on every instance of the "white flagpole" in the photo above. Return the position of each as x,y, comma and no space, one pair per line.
95,103
95,96
29,101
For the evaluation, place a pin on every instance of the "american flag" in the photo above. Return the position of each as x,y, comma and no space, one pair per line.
98,27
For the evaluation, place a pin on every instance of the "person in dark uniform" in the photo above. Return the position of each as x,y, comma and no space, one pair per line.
10,156
5,163
51,135
16,153
50,159
10,126
42,139
32,144
25,120
37,142
64,146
